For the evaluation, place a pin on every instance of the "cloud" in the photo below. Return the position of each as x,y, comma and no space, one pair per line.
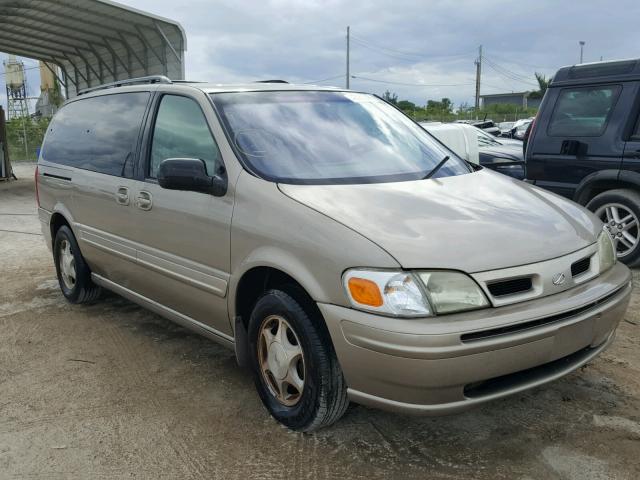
404,42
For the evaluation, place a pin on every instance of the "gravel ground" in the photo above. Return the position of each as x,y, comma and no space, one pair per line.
113,391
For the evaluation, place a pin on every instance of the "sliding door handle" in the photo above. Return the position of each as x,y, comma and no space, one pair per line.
122,196
144,200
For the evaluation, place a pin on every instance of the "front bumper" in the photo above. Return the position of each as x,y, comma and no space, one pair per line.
442,365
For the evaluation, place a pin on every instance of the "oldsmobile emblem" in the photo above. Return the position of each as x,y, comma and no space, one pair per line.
558,279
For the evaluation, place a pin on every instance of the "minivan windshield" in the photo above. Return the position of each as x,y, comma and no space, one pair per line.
324,137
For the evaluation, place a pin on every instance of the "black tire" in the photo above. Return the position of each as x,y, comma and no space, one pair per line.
324,396
82,290
629,199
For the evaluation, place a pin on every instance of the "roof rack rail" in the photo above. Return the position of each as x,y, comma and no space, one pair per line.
128,81
272,81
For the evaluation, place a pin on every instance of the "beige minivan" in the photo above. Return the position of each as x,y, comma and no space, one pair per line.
340,249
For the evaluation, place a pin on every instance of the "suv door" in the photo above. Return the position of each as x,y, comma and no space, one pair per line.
578,132
183,237
631,161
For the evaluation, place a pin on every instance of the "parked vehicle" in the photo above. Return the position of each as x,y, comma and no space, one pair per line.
585,145
505,128
502,140
503,155
519,128
342,251
488,126
476,146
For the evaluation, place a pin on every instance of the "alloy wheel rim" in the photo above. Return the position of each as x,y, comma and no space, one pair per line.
622,224
281,360
67,265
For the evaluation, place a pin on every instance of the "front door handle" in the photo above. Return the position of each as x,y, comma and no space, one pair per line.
144,200
122,196
632,154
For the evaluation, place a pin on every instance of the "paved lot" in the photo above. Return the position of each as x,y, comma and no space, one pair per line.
114,391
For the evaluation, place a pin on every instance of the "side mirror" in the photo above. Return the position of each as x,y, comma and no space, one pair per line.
190,174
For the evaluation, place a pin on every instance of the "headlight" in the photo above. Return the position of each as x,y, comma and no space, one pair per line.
402,294
606,251
390,293
453,292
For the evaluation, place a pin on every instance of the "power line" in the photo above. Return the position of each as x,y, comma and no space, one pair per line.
505,70
324,79
411,84
514,62
508,73
381,52
405,54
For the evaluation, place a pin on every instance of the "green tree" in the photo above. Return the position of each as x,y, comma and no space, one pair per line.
390,97
543,84
24,137
55,95
406,105
444,107
447,105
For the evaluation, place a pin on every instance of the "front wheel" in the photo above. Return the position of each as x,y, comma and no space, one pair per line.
296,371
620,212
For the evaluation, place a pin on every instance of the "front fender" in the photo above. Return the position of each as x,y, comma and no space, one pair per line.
279,259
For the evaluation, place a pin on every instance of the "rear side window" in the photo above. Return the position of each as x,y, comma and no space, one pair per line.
181,131
583,112
97,133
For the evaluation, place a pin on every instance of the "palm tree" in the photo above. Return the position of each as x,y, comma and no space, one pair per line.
543,84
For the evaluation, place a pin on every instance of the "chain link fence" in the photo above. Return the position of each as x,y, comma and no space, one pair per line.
24,138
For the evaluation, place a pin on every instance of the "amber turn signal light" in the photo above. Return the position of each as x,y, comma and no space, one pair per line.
365,292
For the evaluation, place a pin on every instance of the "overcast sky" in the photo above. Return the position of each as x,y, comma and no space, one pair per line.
402,42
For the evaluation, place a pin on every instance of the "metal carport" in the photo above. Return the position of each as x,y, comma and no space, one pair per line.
92,41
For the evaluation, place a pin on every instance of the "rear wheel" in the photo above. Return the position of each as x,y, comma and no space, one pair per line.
296,371
73,272
620,212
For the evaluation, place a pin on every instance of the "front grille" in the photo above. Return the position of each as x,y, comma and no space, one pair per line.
510,287
580,266
509,329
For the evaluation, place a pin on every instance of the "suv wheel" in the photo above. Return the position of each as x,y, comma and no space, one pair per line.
295,368
620,212
73,272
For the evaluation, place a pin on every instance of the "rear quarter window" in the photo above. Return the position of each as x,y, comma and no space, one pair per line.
583,111
97,133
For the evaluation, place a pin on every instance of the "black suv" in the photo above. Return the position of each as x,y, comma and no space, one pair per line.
585,145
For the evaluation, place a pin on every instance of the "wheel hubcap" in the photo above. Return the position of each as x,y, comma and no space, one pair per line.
622,225
67,264
281,360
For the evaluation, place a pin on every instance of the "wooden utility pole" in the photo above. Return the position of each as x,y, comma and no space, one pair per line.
347,82
478,63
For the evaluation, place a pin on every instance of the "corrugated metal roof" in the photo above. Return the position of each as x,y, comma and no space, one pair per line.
92,41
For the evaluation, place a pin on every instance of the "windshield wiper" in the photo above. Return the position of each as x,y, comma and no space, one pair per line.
436,168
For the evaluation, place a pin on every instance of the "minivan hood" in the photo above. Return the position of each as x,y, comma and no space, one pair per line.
473,222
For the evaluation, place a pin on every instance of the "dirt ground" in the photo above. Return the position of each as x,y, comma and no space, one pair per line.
114,391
